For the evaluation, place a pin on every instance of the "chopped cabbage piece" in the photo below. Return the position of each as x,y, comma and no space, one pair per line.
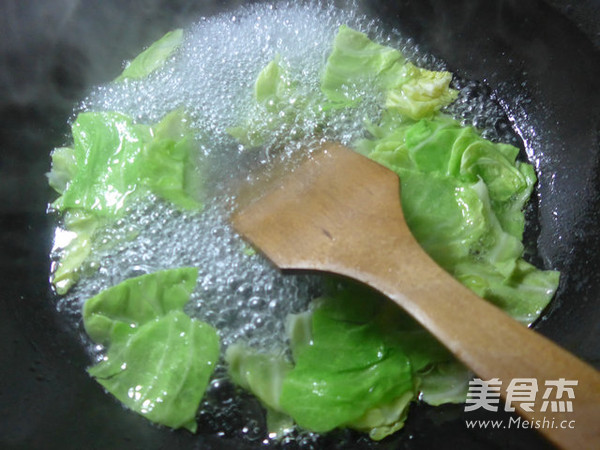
114,159
153,57
159,360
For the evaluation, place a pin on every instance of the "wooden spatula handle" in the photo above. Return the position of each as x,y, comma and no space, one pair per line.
341,213
498,348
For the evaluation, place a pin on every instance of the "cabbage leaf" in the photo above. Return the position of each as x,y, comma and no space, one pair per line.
347,370
356,61
114,158
280,108
112,161
161,370
136,301
64,168
462,197
358,362
80,228
153,57
262,374
159,361
356,64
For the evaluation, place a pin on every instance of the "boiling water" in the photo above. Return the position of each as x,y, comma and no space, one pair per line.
212,77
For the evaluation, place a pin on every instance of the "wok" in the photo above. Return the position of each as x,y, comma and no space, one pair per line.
540,62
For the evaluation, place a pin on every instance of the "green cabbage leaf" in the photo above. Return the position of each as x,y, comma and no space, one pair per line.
153,57
356,62
112,161
262,374
358,362
280,108
136,301
79,229
347,370
114,158
463,199
159,360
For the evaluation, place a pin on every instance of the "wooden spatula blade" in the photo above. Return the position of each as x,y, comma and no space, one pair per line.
299,221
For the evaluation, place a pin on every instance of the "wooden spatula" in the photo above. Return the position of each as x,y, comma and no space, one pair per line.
340,212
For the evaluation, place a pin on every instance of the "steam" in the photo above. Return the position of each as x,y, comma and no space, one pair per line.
52,51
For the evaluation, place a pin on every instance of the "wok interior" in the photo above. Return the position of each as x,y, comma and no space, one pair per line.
514,47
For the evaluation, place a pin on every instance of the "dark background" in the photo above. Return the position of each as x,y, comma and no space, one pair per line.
547,54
